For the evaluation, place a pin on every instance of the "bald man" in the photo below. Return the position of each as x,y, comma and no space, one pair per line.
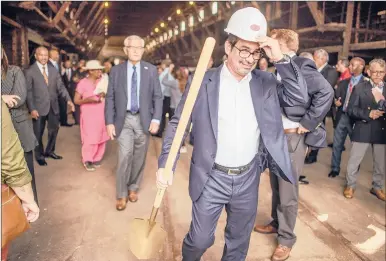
44,86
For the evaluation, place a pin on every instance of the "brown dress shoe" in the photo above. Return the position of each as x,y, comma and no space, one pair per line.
133,197
121,204
281,253
267,229
348,192
378,193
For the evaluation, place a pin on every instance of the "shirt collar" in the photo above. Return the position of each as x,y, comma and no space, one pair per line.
226,73
52,61
291,54
381,85
356,78
130,65
41,65
322,67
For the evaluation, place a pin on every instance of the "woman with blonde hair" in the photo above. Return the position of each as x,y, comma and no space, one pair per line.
92,116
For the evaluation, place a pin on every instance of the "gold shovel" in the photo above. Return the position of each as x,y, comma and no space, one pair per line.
147,237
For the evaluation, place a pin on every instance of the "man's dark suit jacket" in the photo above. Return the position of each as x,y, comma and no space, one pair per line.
70,84
41,97
365,129
268,96
150,96
330,74
341,91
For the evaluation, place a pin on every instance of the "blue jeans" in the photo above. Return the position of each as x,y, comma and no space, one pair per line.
343,129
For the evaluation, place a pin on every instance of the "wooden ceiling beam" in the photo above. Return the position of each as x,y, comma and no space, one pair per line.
11,22
316,13
76,16
98,21
91,26
60,13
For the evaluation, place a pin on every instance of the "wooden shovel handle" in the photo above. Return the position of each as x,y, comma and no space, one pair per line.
202,65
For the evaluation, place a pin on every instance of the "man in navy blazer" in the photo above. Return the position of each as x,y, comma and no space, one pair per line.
302,126
237,131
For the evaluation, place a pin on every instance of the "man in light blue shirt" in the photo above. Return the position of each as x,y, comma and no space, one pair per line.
133,111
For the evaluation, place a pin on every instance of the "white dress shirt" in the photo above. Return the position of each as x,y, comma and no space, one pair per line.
41,67
238,131
287,123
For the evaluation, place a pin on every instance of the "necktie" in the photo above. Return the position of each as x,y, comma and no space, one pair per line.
134,100
68,75
45,75
350,87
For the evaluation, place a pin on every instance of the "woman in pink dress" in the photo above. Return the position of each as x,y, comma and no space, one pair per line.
92,116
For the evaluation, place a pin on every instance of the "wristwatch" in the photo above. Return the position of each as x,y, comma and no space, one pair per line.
285,59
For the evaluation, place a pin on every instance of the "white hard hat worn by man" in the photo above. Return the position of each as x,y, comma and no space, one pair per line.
236,120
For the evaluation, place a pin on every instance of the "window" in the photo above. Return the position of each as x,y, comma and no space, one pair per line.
191,21
182,26
170,33
214,7
201,15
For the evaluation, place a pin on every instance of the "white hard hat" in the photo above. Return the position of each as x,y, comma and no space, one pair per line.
247,24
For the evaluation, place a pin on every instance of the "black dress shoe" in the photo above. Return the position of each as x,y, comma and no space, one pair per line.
66,125
310,160
54,156
42,162
333,174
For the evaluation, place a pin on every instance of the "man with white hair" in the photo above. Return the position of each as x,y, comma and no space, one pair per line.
238,132
133,111
369,130
307,55
321,59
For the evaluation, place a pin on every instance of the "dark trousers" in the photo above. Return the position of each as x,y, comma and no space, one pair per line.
63,111
29,158
165,109
238,194
285,195
53,127
343,129
76,114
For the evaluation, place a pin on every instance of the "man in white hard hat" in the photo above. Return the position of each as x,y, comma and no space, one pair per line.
237,131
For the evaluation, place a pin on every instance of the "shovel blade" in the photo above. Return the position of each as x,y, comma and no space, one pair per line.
146,241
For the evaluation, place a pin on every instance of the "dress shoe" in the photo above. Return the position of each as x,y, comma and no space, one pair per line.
42,162
54,156
310,160
378,193
66,125
281,253
133,197
267,229
121,204
333,174
348,192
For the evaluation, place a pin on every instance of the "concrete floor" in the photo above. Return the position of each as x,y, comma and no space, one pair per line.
79,222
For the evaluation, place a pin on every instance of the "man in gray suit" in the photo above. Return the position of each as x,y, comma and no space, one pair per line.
45,85
298,122
238,132
133,111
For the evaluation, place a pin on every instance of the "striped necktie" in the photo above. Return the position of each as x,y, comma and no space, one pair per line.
45,75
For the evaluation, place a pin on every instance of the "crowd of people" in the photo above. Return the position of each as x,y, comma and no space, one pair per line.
246,119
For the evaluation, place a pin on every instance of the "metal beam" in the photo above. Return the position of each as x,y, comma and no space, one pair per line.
11,22
316,13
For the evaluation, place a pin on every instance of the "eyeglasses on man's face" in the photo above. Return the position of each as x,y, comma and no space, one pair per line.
137,48
244,53
377,72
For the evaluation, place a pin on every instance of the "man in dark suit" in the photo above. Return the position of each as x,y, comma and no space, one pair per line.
344,123
67,75
298,122
238,132
321,58
369,130
45,85
133,111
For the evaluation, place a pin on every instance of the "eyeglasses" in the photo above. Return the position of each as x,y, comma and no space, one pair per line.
139,48
244,53
377,72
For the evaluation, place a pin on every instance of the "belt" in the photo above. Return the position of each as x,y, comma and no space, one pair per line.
132,113
233,171
289,131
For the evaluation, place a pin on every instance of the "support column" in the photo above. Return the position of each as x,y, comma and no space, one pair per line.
368,22
348,30
357,22
294,15
14,47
